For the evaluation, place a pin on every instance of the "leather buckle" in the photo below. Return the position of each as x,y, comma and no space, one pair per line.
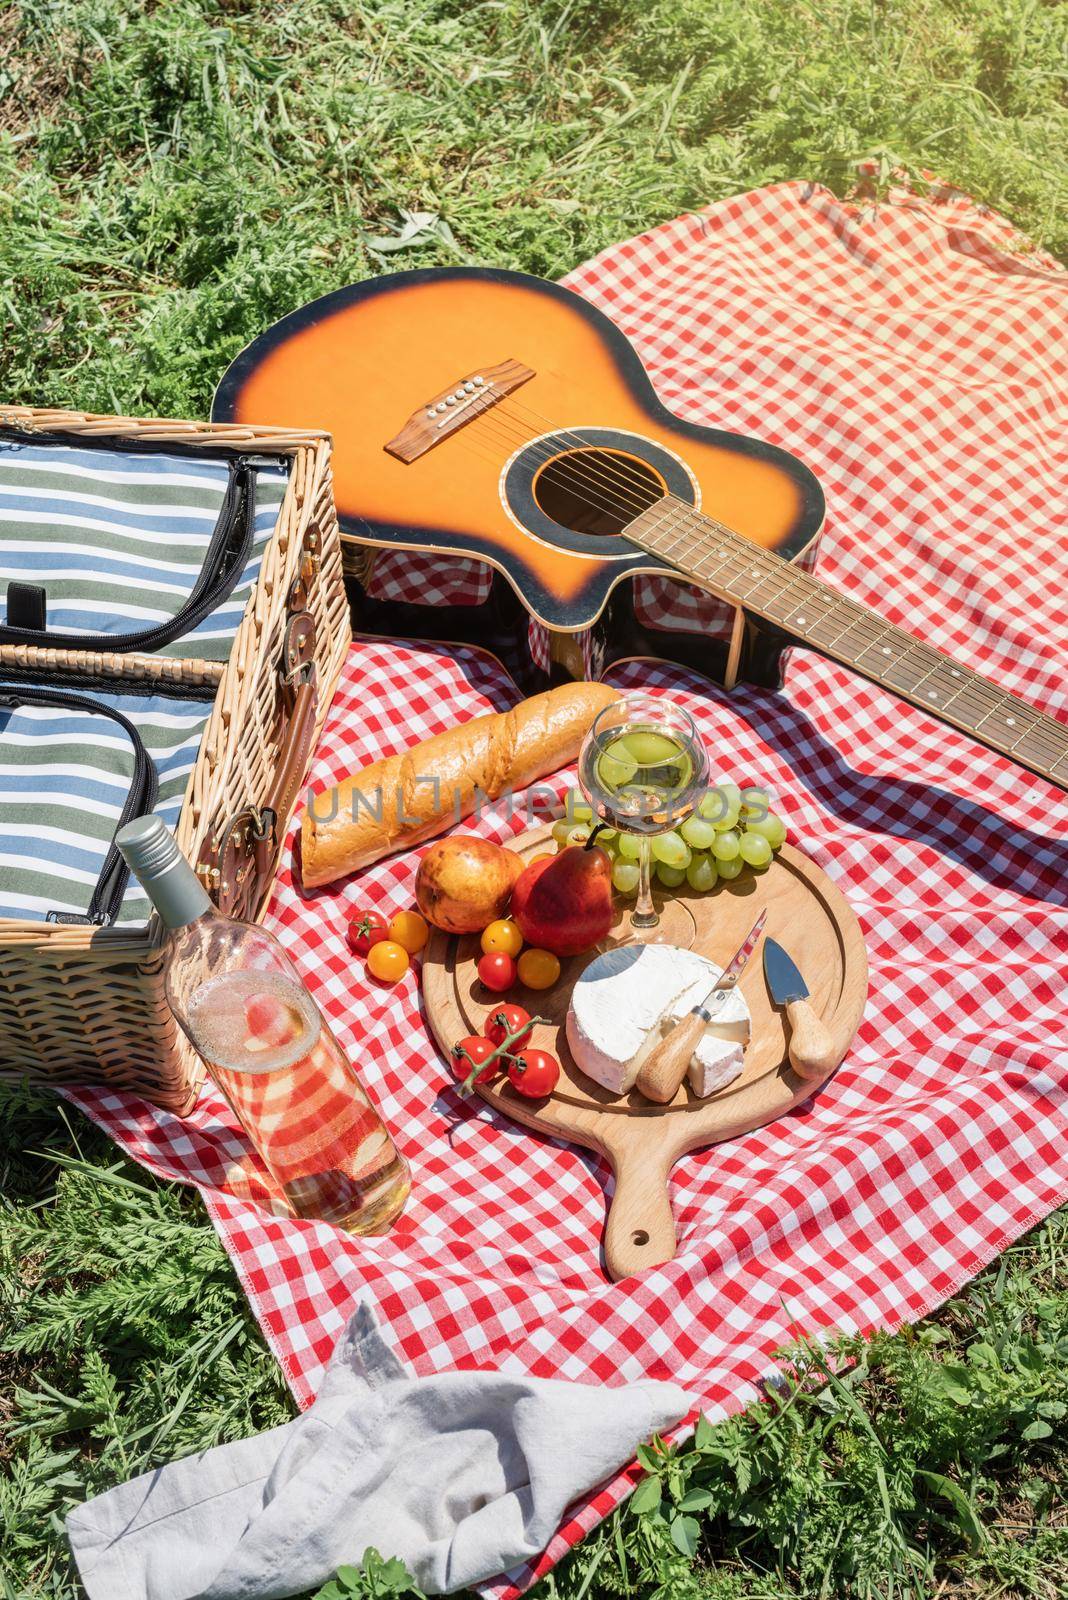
297,598
297,664
302,672
262,822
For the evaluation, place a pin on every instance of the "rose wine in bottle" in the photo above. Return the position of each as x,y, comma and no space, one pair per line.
238,997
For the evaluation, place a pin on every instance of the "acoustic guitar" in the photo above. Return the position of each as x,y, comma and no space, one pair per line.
494,415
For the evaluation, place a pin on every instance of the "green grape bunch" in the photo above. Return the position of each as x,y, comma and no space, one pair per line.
730,830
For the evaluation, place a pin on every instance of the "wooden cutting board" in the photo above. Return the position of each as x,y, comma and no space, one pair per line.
642,1141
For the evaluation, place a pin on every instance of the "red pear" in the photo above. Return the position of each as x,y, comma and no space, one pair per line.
563,903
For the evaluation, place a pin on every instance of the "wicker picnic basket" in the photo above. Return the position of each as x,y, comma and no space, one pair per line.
86,1004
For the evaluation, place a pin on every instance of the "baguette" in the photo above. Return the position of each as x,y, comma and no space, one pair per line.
405,799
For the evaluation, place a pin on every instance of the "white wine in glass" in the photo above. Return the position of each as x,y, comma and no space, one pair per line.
643,768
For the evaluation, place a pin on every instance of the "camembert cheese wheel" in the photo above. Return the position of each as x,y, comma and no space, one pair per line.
628,998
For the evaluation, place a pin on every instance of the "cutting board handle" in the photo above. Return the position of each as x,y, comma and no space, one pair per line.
640,1231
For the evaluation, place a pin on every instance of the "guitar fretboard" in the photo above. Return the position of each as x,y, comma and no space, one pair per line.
813,613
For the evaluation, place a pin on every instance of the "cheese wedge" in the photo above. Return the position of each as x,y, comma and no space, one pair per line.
626,999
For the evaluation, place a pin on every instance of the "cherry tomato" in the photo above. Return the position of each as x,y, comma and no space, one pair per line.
387,960
469,1053
409,930
497,971
538,969
502,935
535,1074
366,928
506,1019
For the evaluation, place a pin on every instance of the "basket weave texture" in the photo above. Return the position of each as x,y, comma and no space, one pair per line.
87,1005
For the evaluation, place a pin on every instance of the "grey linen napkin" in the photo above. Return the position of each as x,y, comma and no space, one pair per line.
463,1475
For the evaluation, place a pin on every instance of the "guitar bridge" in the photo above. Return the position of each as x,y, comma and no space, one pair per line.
439,418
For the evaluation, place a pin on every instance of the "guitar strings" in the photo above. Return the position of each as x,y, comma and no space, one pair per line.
778,569
487,437
545,450
974,687
589,487
620,469
612,469
972,694
774,566
590,479
590,475
575,439
615,472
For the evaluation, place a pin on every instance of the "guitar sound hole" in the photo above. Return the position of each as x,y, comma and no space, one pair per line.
596,491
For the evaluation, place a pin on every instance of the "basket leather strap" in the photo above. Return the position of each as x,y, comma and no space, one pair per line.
238,861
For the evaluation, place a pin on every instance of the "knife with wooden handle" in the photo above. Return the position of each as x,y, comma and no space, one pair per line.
665,1066
813,1052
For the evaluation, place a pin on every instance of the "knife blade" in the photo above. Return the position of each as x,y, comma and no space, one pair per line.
784,980
728,978
666,1066
813,1051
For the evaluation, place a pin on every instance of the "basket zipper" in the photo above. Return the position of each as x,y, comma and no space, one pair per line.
144,787
175,690
220,570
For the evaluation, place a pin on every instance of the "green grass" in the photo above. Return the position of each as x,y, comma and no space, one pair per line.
173,177
177,175
934,1461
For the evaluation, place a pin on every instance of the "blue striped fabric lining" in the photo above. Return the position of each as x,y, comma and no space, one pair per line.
64,779
118,541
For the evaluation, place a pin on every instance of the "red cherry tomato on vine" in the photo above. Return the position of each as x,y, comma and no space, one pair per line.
470,1053
497,971
366,928
508,1019
534,1073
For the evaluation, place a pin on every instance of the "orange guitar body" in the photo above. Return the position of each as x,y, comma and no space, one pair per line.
536,483
492,415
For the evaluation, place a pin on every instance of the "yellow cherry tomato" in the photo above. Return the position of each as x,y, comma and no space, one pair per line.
502,938
409,930
538,969
387,960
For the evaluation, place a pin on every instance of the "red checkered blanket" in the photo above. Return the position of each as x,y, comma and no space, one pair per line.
915,357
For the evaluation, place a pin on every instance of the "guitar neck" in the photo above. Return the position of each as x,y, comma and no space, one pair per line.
816,615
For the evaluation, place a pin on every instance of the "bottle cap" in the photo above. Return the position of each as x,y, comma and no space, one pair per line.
151,852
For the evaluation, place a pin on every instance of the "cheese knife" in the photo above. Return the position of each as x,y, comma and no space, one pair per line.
813,1052
665,1066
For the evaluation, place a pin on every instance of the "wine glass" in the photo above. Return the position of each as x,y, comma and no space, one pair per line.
643,768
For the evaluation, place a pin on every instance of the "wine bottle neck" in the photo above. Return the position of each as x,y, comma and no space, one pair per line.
151,852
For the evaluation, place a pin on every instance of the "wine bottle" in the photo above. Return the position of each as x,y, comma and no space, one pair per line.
238,997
